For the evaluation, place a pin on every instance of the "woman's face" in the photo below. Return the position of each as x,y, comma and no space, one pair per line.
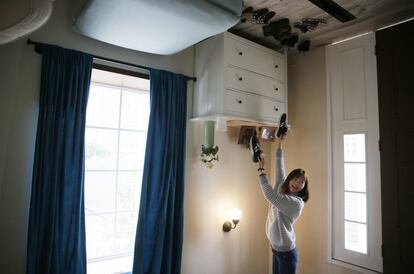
297,184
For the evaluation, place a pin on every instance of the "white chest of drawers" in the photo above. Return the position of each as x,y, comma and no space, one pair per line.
238,80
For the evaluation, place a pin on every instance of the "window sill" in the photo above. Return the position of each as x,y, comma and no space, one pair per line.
353,267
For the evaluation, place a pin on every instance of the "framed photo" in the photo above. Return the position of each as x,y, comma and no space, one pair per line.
267,133
245,133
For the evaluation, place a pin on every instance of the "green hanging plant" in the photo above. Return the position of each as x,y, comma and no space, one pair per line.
208,155
209,152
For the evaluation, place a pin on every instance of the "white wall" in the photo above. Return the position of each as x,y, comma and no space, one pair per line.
208,195
18,121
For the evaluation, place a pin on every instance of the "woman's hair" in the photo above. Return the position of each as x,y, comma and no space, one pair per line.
304,193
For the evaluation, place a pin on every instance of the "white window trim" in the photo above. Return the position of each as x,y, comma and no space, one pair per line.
330,258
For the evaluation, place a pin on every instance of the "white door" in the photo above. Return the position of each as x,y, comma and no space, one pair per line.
355,169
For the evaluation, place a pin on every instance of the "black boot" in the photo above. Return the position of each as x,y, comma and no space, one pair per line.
304,46
276,27
291,41
284,33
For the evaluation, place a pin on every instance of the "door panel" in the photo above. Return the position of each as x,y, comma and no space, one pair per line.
395,59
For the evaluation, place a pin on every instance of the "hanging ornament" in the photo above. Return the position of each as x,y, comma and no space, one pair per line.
209,152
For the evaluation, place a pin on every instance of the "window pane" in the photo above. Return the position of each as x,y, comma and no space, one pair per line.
356,207
101,148
111,266
132,150
99,192
356,237
129,190
355,178
354,147
103,107
126,224
99,235
135,110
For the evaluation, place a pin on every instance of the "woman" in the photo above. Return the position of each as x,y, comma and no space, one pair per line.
286,201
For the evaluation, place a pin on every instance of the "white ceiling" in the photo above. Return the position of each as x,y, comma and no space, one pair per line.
370,16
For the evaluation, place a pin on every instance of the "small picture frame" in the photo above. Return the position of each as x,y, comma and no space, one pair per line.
267,133
246,132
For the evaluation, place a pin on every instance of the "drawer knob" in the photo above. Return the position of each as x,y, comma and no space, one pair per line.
276,66
276,108
239,101
240,78
240,53
276,88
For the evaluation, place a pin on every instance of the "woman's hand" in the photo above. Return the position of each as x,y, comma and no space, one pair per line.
261,163
280,140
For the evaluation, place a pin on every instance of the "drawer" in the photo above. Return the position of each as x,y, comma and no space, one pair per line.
248,57
252,106
255,83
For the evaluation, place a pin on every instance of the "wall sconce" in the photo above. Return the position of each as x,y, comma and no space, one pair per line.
235,216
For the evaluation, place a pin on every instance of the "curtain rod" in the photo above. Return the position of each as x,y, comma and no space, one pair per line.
38,49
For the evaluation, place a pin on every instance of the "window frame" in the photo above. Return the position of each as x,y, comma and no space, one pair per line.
122,89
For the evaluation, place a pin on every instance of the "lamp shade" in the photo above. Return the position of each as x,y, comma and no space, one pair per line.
236,214
156,26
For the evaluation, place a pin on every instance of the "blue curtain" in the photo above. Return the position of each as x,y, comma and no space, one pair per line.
159,237
56,235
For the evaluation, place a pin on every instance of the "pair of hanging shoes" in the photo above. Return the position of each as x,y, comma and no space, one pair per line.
304,46
261,16
290,41
280,29
309,24
255,148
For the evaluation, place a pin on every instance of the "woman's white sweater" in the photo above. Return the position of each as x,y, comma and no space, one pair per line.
284,209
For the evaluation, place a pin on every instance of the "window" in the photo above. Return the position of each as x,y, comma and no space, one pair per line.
115,137
355,197
355,220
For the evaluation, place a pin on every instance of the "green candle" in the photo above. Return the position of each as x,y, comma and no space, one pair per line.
208,134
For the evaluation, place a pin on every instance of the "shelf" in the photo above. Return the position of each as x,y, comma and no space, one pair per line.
234,121
239,123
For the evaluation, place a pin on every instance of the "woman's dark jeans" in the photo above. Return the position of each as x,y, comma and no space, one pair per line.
285,262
